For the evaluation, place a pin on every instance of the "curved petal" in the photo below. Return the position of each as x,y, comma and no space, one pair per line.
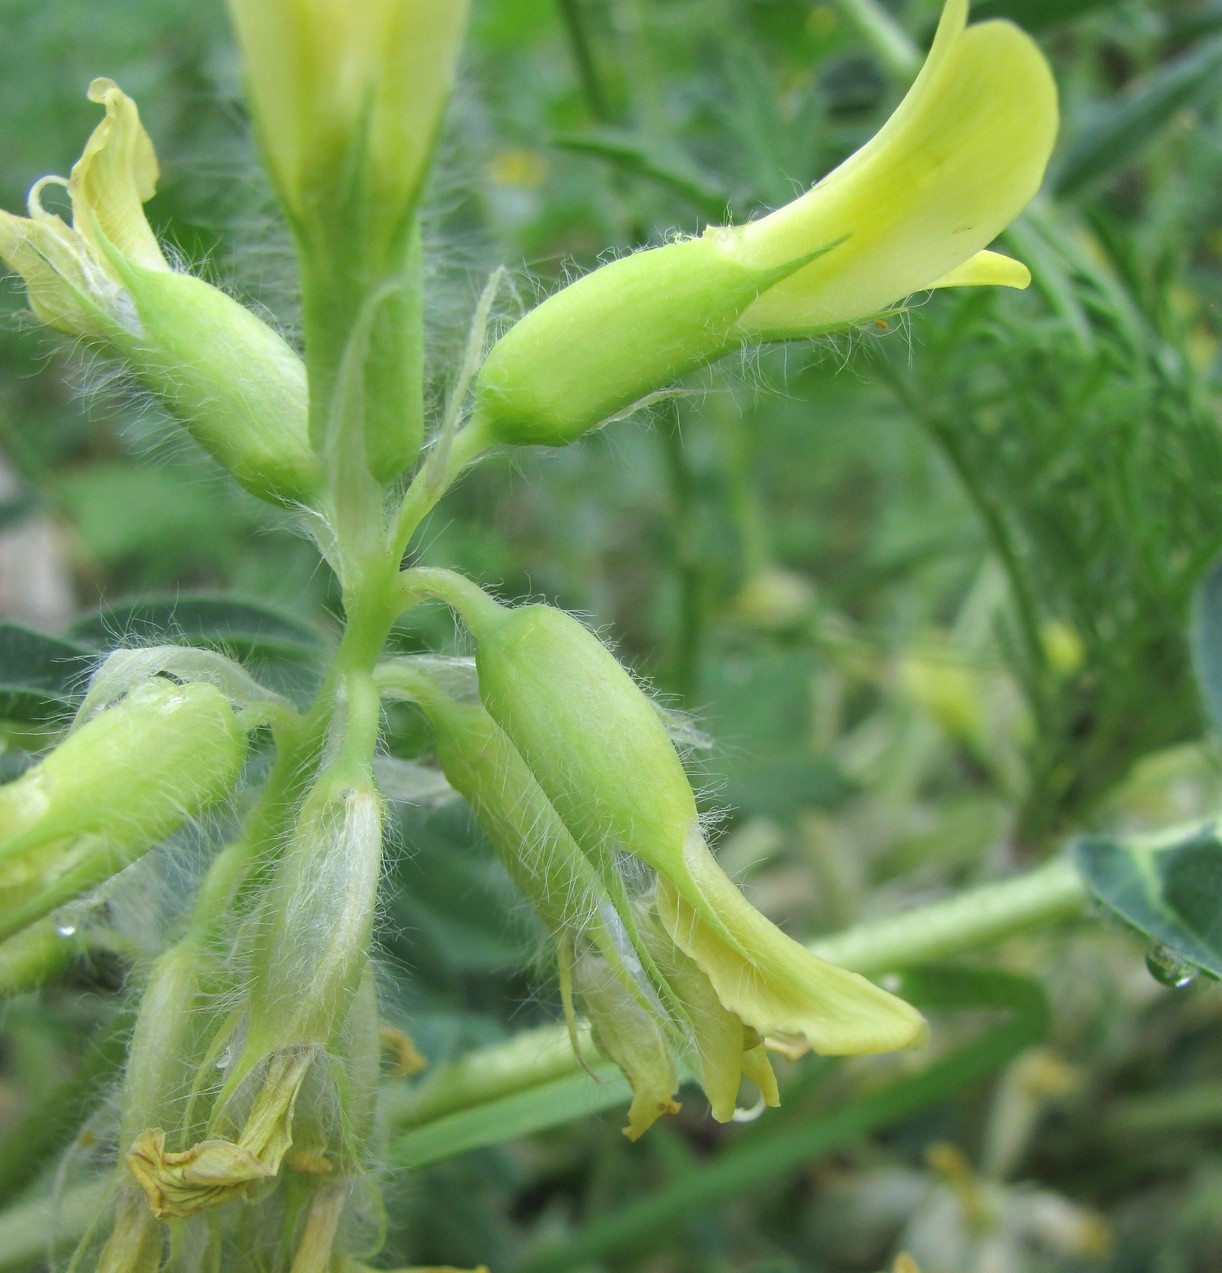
958,160
775,985
113,179
987,269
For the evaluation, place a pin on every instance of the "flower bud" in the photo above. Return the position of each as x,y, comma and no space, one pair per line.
598,749
228,377
313,941
643,996
347,97
914,209
112,789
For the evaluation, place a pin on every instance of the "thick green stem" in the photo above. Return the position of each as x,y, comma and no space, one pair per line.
964,922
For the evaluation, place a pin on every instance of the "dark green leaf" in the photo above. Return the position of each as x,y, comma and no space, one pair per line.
1038,15
1206,639
1131,124
244,629
654,158
40,676
1171,893
16,508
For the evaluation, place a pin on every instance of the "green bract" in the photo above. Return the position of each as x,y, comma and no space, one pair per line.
232,381
913,209
112,789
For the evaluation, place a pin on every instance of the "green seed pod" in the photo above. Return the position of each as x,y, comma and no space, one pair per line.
235,384
614,336
111,790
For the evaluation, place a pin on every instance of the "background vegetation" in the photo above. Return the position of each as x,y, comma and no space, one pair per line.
927,588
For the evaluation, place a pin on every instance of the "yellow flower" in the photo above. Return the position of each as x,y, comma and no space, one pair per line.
915,208
959,159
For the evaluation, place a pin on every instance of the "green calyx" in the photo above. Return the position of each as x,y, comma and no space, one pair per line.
112,789
618,334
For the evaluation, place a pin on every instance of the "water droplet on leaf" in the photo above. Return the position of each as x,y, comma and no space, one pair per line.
1167,969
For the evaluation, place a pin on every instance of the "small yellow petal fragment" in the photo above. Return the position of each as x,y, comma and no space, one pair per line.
987,269
405,1059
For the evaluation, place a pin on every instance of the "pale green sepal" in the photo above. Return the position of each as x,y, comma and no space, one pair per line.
629,328
987,269
110,791
961,156
592,739
310,951
776,986
236,385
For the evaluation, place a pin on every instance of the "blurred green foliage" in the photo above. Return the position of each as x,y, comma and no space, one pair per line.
926,587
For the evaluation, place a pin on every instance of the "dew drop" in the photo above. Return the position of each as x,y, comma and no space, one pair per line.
1168,970
749,1115
65,928
223,1061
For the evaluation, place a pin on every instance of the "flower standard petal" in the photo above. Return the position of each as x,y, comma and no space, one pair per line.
115,177
958,160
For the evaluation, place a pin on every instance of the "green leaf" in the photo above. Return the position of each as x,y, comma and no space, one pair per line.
16,508
656,159
243,629
1171,892
1136,120
1038,15
41,677
1205,635
282,652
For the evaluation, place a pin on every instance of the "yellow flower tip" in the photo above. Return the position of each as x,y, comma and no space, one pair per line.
987,269
644,1112
960,158
71,281
113,179
773,984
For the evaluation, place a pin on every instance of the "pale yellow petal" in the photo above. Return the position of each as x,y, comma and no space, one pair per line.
958,160
987,269
114,177
772,983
